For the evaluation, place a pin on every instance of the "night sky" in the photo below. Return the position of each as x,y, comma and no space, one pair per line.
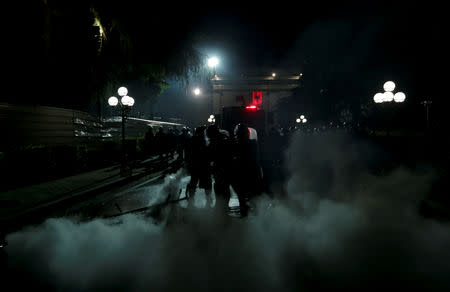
340,48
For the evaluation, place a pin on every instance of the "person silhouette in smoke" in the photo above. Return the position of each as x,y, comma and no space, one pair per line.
198,165
219,146
246,172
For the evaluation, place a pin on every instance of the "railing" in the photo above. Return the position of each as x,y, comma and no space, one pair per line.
42,125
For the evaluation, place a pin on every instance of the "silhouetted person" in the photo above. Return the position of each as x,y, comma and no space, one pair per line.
198,165
149,142
219,146
183,141
161,142
246,171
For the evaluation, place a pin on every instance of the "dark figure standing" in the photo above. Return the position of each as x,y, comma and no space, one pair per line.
198,165
219,146
161,142
246,171
182,145
149,142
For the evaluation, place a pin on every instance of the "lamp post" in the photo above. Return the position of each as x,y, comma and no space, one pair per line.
427,103
124,104
389,96
302,119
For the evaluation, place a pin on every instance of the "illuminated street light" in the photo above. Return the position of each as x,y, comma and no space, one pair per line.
211,116
213,62
399,97
302,117
304,121
298,120
388,96
274,74
389,86
122,91
378,98
125,104
113,101
197,91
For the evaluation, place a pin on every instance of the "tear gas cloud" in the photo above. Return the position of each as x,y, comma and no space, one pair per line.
340,226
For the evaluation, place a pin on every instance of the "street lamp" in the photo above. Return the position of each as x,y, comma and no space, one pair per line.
388,95
197,91
302,119
125,104
213,62
389,86
427,103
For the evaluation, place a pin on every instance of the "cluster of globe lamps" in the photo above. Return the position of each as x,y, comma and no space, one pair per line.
125,99
302,119
388,95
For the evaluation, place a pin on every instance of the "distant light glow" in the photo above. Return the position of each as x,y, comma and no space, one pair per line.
213,62
378,98
304,121
122,91
298,120
399,97
251,107
302,117
274,74
389,86
388,96
113,101
197,91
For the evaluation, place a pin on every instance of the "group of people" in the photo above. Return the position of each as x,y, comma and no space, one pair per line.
231,161
165,143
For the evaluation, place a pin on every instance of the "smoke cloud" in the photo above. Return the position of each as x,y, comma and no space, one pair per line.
341,225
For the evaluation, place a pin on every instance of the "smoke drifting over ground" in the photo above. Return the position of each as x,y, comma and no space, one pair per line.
340,226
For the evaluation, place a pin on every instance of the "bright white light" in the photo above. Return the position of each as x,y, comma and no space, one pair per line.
197,91
389,86
210,120
298,120
113,101
213,62
213,120
302,117
211,116
378,98
122,91
388,96
127,100
304,121
274,74
399,97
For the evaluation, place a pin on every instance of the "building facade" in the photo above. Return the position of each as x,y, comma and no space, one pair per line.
261,90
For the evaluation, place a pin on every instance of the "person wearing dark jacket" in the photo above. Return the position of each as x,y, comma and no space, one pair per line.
198,165
219,146
246,172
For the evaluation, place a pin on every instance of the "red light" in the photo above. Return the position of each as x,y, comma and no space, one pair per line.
251,107
257,97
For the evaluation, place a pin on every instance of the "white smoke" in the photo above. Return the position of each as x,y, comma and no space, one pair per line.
341,226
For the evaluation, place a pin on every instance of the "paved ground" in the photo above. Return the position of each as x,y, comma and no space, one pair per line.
16,202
